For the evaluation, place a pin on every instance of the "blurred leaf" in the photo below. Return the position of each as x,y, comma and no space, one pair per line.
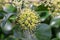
9,8
41,8
55,22
2,36
11,38
28,35
13,18
5,19
18,32
58,35
23,34
43,11
1,16
2,13
43,32
55,39
43,15
7,27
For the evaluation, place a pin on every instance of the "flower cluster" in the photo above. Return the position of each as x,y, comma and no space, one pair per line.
29,3
28,19
17,3
54,5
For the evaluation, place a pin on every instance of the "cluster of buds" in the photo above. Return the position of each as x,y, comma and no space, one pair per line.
35,2
28,19
29,3
56,4
53,5
17,3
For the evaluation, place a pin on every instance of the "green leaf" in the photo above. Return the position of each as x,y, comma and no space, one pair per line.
55,39
58,35
18,32
2,36
43,15
41,8
7,27
5,18
43,32
11,38
1,16
55,22
13,18
2,13
9,8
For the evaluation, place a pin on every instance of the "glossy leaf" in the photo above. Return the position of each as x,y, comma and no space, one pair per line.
43,32
8,26
6,17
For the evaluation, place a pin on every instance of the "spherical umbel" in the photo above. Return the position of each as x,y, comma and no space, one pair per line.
28,19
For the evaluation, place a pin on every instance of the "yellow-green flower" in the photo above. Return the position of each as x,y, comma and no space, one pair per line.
28,19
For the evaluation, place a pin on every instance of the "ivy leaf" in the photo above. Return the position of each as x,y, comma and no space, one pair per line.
43,32
5,18
55,22
4,24
9,8
7,27
43,15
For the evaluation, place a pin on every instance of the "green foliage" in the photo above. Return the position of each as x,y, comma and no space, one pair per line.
43,32
9,8
48,28
41,8
43,15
